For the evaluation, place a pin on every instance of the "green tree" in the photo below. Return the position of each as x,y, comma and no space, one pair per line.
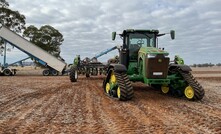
11,19
47,37
218,64
3,3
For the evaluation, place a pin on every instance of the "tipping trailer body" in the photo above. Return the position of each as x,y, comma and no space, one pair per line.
32,50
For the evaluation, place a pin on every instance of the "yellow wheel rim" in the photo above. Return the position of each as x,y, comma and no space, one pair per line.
113,78
189,92
107,88
118,92
165,89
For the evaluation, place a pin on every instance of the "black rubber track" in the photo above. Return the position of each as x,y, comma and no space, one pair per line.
72,74
198,89
126,88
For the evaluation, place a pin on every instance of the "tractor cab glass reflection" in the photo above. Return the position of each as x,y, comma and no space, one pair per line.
136,41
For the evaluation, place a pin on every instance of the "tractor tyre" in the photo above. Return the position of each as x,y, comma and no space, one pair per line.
73,74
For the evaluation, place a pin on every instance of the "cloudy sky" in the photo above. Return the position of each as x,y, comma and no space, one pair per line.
87,25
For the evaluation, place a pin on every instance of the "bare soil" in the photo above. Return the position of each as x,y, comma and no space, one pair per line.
38,104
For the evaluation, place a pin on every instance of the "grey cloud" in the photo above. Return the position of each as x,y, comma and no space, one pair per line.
87,24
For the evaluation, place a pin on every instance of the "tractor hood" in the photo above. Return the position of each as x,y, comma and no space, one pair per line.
153,51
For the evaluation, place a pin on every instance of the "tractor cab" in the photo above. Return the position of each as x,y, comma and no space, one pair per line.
136,40
133,41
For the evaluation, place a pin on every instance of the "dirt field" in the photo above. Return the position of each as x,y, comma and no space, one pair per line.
37,104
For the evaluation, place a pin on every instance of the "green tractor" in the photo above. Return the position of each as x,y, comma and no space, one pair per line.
141,60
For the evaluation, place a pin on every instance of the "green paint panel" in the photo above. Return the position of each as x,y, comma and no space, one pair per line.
152,50
135,78
132,68
157,81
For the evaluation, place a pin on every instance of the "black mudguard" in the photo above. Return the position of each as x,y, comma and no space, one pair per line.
120,68
184,68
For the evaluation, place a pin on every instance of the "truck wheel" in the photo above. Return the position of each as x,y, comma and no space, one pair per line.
7,72
46,72
54,72
73,74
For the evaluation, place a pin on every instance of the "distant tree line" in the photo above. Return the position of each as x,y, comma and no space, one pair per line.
206,65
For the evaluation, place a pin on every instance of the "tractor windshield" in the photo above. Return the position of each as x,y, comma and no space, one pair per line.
138,40
142,40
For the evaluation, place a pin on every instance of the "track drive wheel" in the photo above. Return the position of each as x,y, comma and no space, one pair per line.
107,88
119,84
189,92
73,74
194,91
118,92
165,89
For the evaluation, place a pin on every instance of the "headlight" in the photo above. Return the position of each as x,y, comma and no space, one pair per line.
151,55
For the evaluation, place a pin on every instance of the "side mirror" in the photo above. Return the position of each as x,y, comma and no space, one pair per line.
172,34
113,35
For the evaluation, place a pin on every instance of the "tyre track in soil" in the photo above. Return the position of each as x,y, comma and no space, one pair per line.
148,103
32,102
59,106
5,93
129,117
198,117
113,117
103,118
71,116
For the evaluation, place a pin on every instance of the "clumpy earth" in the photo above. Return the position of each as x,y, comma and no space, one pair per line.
38,104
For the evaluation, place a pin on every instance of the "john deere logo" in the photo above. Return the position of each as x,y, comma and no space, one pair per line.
159,60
